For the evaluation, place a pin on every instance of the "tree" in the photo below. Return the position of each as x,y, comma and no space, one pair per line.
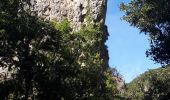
29,48
152,85
46,61
152,18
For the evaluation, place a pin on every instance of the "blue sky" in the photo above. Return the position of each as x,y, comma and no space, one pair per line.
126,45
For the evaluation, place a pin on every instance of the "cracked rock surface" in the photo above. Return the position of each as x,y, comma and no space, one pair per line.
76,11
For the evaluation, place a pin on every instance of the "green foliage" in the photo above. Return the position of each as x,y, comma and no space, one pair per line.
63,26
111,86
48,61
152,85
152,18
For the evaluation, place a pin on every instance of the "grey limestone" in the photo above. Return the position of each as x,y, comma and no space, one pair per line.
74,10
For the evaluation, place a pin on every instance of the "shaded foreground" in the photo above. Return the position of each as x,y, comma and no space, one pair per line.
46,60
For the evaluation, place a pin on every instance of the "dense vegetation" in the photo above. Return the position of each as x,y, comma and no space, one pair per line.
152,85
152,18
47,61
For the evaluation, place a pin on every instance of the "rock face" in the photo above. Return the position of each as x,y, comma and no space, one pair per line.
120,84
78,12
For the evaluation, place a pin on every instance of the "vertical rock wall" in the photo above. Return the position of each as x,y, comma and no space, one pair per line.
77,12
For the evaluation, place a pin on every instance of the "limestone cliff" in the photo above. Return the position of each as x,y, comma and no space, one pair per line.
78,12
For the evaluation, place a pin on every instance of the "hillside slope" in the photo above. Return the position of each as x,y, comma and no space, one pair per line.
152,85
